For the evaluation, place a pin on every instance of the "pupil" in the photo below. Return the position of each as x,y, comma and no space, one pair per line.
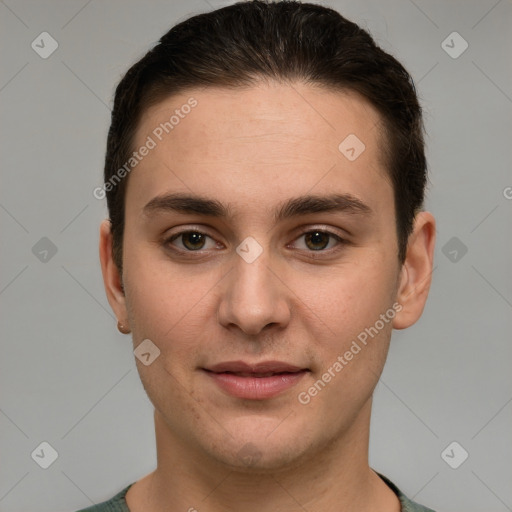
316,238
193,240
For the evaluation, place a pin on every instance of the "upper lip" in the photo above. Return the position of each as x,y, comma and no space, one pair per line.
263,367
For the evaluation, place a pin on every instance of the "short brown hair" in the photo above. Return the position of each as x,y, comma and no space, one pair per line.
236,46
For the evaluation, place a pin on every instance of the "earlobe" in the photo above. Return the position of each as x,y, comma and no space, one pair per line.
416,272
111,278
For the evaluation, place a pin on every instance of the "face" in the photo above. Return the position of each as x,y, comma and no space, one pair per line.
261,260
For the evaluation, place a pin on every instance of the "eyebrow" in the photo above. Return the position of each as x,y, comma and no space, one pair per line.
294,207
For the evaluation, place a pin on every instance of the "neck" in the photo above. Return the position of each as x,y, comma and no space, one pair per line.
337,478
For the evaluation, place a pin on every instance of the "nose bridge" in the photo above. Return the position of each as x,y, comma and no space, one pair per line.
254,297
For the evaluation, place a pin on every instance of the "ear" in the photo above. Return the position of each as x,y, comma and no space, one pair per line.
416,273
111,278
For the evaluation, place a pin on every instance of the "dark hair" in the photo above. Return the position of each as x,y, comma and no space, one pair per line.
286,41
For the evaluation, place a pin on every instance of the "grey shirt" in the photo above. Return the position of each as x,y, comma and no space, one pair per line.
118,502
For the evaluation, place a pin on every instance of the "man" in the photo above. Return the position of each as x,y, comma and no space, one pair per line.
265,176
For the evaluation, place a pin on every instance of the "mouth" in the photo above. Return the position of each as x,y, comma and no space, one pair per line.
255,381
256,375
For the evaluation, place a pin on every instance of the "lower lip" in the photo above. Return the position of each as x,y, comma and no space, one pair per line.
256,388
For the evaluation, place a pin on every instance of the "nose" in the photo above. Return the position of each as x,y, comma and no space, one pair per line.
254,296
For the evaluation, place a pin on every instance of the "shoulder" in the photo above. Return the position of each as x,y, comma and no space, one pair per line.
407,505
115,504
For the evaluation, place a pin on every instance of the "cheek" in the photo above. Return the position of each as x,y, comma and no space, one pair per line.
343,317
350,298
163,302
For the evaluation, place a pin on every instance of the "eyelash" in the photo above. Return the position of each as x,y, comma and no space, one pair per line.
167,243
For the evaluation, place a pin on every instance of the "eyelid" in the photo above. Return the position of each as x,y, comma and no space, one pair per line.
324,228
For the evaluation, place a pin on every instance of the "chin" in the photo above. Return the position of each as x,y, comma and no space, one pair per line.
261,454
252,459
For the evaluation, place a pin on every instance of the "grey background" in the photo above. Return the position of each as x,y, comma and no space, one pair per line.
68,377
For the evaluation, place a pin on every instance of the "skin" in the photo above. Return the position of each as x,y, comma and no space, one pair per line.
253,149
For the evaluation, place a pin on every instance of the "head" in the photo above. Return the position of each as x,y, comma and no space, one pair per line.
275,117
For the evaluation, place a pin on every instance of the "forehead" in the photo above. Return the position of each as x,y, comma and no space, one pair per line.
259,144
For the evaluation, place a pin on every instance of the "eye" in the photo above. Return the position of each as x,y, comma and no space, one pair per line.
316,240
190,241
319,240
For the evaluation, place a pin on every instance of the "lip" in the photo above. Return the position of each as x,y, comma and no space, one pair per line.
263,367
258,381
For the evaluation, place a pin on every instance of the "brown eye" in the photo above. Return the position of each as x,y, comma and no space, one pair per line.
317,240
193,240
190,241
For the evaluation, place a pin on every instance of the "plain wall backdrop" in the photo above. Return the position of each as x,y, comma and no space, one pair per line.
68,378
